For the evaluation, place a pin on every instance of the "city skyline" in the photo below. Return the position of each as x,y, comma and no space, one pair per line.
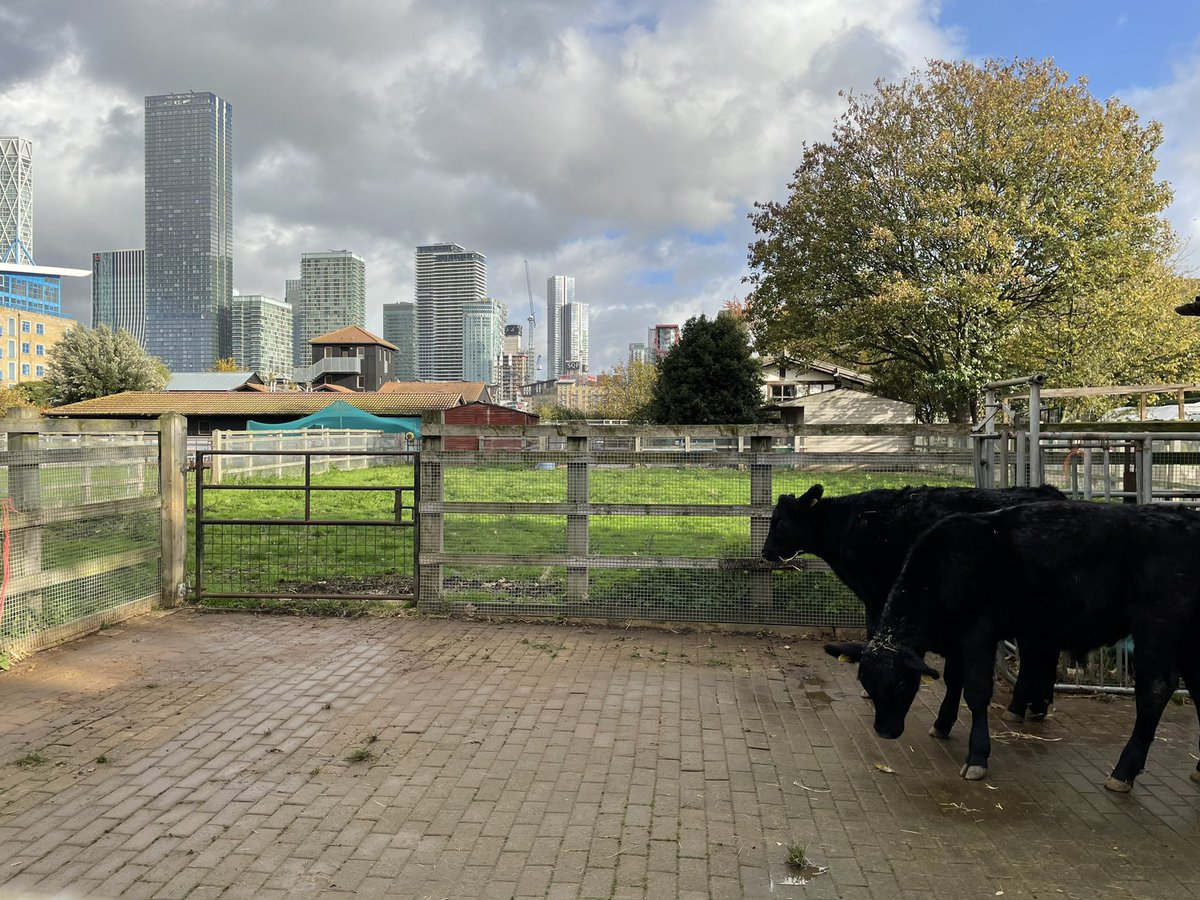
683,116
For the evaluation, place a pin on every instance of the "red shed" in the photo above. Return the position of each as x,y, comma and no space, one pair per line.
484,414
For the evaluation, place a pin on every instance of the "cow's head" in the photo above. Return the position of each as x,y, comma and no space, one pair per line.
891,675
792,525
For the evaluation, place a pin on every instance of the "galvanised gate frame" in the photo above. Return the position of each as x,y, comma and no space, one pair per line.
311,544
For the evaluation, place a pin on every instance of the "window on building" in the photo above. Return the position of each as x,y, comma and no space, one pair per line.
40,349
361,383
39,371
25,327
40,328
24,368
24,348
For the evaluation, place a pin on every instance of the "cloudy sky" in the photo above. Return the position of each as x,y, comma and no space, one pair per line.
619,141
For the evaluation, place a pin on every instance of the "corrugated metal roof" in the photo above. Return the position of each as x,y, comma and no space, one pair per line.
207,381
233,403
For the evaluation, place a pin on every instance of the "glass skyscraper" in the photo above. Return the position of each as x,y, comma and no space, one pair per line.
262,335
483,338
16,200
189,229
333,295
448,276
400,328
560,290
119,291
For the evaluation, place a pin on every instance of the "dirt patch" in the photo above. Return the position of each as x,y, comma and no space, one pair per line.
341,585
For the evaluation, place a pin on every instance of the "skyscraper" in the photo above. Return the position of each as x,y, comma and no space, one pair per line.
333,295
189,229
292,296
560,290
400,328
448,276
16,200
483,338
262,335
119,291
573,338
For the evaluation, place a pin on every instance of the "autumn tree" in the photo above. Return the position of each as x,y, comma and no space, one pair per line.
96,362
950,214
709,377
226,364
626,391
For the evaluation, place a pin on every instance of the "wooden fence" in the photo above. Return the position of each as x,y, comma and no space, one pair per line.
93,524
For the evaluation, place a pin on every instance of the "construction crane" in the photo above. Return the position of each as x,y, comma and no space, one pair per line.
533,357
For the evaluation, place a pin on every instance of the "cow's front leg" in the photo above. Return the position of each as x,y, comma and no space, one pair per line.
947,715
978,679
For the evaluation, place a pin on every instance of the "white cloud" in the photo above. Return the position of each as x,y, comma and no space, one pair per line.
590,137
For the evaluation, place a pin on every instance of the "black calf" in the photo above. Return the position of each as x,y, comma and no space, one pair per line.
1076,576
865,538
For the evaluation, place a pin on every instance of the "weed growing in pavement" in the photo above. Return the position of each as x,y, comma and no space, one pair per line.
797,855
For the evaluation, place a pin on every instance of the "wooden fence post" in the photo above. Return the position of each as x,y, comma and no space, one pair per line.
760,495
577,523
172,486
25,492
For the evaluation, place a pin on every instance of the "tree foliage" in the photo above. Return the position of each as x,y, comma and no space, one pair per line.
709,377
952,214
226,364
626,391
96,362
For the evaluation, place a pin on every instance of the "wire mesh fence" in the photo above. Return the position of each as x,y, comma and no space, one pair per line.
338,528
665,534
81,531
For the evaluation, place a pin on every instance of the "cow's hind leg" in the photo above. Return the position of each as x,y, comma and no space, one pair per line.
978,679
1152,691
1039,671
1191,678
948,712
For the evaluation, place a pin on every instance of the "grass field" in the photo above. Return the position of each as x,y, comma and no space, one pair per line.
261,559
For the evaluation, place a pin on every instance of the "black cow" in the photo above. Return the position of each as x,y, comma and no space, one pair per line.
865,537
1071,575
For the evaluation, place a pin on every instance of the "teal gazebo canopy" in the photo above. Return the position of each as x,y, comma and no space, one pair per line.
341,414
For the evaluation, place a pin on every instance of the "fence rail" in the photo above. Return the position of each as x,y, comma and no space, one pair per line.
670,534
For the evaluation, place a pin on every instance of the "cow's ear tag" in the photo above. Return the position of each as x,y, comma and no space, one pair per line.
926,679
813,501
844,658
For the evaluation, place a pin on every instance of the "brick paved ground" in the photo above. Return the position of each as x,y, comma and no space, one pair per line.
544,761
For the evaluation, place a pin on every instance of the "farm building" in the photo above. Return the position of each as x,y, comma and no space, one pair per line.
484,414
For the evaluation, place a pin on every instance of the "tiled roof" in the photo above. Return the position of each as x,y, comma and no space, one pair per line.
472,391
232,403
352,335
335,388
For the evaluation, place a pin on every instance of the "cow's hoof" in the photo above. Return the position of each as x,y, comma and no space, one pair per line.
1195,776
1038,717
1118,786
1009,716
973,773
934,731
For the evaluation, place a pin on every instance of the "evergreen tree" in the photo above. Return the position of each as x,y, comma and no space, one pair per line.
709,377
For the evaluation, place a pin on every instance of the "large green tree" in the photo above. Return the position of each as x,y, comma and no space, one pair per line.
709,377
949,212
96,362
